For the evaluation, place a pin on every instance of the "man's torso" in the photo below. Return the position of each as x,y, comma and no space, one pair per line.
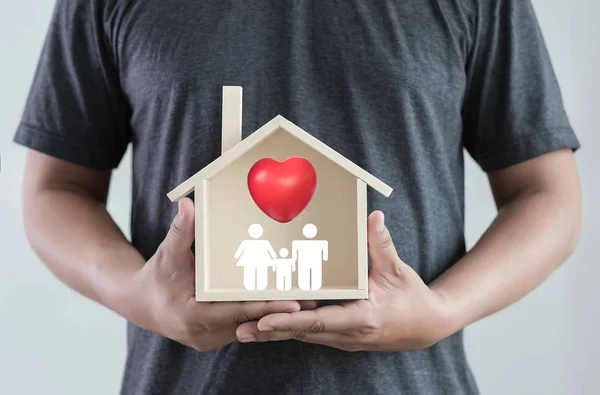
380,82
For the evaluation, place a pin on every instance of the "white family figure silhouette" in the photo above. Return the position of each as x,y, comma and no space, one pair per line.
310,255
256,255
284,267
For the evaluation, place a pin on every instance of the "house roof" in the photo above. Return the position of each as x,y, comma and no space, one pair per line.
259,135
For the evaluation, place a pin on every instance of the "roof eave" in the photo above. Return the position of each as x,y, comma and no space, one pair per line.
260,134
336,157
186,187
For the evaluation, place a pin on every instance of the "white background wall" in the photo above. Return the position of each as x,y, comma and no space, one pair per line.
54,342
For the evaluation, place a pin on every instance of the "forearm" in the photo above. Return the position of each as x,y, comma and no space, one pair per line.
78,241
529,238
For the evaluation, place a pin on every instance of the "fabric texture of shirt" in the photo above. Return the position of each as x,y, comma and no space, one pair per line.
402,88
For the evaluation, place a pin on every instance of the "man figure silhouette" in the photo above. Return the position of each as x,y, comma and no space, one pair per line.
310,255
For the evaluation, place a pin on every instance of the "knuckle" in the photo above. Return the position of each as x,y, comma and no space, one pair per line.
243,314
206,327
160,254
365,331
298,335
240,318
398,272
174,230
371,324
370,338
316,327
386,240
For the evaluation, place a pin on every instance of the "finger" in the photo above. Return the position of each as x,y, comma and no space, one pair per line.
180,236
249,332
335,340
263,337
174,257
252,311
334,318
235,313
384,257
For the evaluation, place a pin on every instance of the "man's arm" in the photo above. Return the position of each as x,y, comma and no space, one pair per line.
536,229
68,226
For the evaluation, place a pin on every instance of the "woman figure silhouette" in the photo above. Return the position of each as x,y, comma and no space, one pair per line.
255,256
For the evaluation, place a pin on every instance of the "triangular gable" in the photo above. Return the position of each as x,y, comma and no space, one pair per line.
259,135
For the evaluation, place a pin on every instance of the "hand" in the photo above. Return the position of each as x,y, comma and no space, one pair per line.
166,295
401,313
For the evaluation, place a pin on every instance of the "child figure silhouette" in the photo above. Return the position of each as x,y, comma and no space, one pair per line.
284,266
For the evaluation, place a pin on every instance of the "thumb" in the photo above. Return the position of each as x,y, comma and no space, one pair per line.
180,237
384,257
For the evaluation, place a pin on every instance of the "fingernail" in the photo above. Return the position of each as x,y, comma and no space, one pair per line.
265,328
179,210
381,224
247,339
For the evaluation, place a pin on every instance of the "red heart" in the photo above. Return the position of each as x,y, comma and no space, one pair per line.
282,190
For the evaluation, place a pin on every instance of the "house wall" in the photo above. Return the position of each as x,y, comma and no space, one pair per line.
333,210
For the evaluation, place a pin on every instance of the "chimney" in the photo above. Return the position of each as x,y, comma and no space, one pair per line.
231,132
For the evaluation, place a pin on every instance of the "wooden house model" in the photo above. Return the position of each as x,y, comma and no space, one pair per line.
278,216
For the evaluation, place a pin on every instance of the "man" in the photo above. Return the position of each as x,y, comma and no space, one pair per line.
399,87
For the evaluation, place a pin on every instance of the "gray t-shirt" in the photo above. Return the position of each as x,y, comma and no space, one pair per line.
398,87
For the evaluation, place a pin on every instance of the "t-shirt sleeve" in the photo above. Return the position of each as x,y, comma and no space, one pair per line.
513,110
75,110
